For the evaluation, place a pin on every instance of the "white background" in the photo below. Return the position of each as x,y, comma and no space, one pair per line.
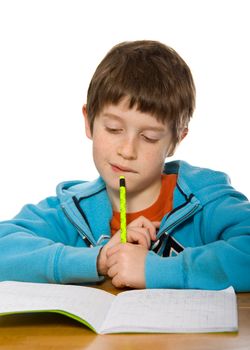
49,50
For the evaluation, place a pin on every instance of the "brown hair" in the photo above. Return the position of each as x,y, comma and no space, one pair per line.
154,78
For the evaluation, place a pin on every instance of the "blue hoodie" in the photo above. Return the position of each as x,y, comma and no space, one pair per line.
204,242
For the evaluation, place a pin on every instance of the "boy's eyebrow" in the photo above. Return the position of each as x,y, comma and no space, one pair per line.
112,116
154,128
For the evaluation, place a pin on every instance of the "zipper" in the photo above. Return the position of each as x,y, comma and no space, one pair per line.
174,224
183,218
88,241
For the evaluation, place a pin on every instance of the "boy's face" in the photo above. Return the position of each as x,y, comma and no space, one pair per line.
130,143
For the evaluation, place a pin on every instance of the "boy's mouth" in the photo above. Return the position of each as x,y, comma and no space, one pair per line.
118,168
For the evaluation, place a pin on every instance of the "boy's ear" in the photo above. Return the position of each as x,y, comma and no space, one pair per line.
184,133
86,121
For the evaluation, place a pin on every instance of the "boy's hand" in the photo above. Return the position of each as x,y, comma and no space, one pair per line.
140,231
143,223
126,265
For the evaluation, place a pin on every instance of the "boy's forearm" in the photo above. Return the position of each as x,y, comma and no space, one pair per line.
40,262
203,267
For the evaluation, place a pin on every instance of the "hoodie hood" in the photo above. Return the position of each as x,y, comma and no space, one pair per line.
204,184
88,205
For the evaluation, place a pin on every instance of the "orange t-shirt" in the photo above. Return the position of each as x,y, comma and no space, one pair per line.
157,210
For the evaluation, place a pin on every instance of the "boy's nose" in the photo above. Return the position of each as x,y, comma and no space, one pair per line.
127,149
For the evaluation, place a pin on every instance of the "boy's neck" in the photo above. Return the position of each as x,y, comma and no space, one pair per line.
136,201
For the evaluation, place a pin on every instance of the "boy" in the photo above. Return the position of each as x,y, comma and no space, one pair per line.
187,227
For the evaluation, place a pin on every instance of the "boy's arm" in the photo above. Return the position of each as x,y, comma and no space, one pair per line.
222,260
40,245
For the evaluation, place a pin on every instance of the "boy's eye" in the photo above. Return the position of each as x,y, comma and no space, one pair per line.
149,139
113,130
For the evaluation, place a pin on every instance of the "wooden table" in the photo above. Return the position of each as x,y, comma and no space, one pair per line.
54,331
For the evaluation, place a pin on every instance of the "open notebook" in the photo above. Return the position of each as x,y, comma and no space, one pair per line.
143,311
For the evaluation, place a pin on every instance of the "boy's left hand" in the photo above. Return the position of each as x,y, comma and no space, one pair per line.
126,265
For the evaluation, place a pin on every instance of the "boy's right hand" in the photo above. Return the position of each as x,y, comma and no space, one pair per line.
140,231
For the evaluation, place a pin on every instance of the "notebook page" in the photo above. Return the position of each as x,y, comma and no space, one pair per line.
166,310
90,304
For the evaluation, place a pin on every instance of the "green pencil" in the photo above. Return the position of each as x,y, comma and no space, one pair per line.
123,221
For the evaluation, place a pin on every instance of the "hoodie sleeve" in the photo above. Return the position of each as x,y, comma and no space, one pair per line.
221,260
41,245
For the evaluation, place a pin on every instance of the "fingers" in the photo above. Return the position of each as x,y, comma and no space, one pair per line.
156,224
116,281
126,265
146,223
113,266
113,271
138,235
140,231
114,250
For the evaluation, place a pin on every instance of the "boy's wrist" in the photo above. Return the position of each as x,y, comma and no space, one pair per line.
102,258
101,262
